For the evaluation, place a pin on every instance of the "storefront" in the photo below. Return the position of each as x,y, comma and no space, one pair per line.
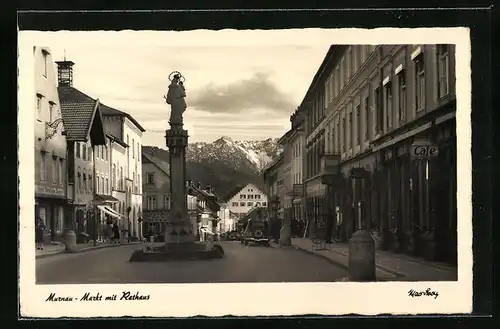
414,200
49,206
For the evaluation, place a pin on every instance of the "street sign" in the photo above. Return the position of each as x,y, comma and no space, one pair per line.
424,149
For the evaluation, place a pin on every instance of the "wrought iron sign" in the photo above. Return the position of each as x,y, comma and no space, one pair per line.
52,128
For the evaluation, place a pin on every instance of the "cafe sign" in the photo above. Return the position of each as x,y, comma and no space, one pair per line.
424,149
49,191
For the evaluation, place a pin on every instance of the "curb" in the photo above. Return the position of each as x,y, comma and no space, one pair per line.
346,267
63,251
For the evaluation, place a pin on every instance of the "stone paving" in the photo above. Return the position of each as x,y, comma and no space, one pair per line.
389,266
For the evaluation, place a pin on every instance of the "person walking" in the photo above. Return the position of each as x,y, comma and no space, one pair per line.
116,232
39,229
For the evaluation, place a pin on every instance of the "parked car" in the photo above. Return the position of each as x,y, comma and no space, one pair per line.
256,233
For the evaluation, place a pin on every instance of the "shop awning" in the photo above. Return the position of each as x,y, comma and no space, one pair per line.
102,198
109,211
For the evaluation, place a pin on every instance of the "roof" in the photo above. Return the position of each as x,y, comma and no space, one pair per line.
77,119
70,94
319,73
162,165
117,140
210,198
233,192
273,164
109,111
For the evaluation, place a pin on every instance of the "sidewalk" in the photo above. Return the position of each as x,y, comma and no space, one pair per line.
50,250
389,266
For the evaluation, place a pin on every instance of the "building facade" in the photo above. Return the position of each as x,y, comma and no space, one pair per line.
371,110
124,127
50,148
126,195
245,199
156,193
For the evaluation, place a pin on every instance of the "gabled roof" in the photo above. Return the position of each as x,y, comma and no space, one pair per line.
77,119
234,191
162,165
72,95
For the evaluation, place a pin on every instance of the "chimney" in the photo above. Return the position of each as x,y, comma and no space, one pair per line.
65,73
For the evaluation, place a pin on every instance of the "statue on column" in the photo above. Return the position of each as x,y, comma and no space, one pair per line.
175,98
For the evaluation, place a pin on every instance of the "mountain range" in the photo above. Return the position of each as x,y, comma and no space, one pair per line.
225,163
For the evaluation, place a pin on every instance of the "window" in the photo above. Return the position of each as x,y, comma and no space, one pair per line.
55,171
138,152
51,112
61,171
402,95
121,179
350,137
342,74
150,178
242,204
77,149
349,64
79,180
358,123
102,151
344,135
151,202
103,191
336,141
106,153
263,204
106,187
243,196
133,149
113,177
258,204
97,184
139,184
388,103
420,82
128,143
235,204
257,196
45,64
250,204
91,187
443,70
85,182
84,152
43,166
167,202
89,153
39,105
367,117
354,61
337,81
250,196
378,111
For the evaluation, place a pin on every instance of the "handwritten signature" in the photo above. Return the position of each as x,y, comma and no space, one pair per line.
427,292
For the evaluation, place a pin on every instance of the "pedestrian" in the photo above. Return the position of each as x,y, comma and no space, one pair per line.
116,232
39,230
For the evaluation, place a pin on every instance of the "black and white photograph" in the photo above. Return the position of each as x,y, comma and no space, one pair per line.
194,166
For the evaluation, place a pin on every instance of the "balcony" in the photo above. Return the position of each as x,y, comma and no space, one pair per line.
330,168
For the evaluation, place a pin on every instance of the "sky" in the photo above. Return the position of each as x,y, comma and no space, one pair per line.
245,92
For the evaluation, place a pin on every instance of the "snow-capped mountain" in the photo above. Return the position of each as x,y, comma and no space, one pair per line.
246,156
225,163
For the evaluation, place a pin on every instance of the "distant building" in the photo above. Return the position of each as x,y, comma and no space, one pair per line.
50,149
246,198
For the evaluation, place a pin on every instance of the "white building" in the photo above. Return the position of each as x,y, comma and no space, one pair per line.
125,128
50,147
227,219
245,199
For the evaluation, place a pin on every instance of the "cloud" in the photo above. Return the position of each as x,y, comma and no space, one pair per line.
257,92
